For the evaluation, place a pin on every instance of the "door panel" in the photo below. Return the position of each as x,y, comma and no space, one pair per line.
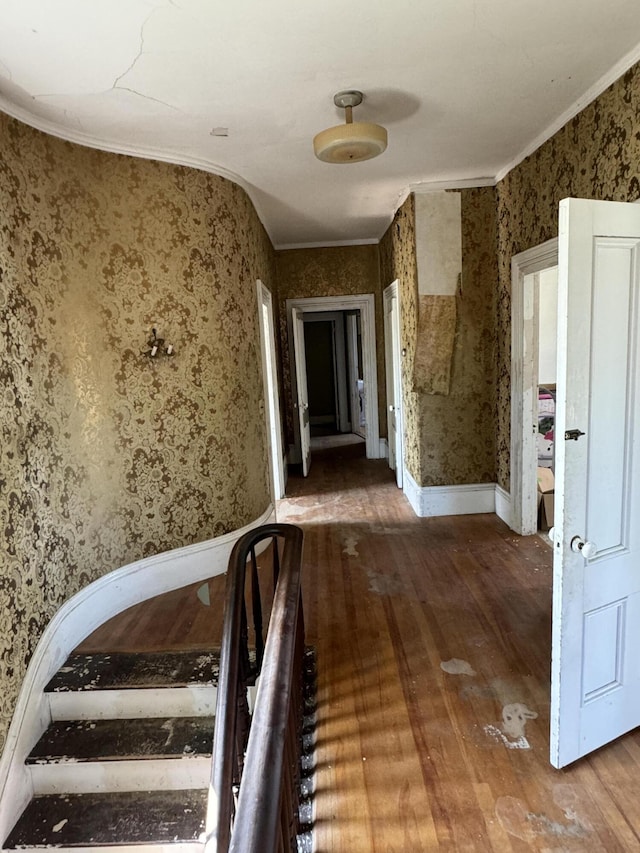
595,693
302,393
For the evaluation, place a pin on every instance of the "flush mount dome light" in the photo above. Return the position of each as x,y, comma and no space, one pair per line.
351,142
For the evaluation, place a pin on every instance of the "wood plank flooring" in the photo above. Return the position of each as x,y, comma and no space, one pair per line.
433,641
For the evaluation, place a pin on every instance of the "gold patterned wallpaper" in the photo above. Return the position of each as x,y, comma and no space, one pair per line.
398,261
450,439
335,271
107,456
596,155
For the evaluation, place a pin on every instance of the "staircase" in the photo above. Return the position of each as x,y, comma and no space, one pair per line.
126,759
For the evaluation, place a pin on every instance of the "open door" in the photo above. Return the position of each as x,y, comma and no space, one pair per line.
595,689
271,395
302,401
394,380
356,389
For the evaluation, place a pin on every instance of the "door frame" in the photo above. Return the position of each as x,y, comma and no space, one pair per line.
339,364
393,368
271,398
365,303
353,372
524,360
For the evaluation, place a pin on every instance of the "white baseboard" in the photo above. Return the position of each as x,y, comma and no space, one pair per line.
384,449
503,505
469,499
75,620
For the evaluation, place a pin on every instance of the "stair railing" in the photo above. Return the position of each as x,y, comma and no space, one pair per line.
253,797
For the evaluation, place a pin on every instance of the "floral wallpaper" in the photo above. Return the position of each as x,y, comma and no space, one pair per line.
335,271
596,155
398,261
106,455
450,439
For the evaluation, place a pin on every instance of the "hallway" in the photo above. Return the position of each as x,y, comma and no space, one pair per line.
433,652
426,631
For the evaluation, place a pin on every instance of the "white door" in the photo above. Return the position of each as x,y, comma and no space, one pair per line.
271,395
356,408
394,380
302,393
595,689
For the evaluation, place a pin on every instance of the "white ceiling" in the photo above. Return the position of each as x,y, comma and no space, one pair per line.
464,87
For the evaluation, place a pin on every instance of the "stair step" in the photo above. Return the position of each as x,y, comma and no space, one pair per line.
115,819
123,755
122,670
108,740
161,684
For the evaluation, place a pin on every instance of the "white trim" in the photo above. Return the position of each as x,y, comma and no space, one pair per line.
593,92
524,381
75,620
365,303
393,369
428,501
384,449
503,505
331,244
126,774
271,402
176,158
451,184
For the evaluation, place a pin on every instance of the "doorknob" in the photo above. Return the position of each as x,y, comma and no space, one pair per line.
587,549
392,408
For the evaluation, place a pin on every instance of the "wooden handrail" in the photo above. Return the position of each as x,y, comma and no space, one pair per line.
265,818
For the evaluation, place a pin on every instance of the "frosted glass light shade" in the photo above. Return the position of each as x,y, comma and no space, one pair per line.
350,143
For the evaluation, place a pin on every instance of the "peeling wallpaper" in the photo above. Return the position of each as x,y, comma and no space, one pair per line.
450,440
105,455
457,432
335,271
596,155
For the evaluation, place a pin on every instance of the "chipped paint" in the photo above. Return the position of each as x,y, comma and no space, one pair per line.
497,734
59,826
455,666
531,827
511,732
382,584
350,541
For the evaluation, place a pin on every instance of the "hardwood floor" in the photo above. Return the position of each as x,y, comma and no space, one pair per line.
433,641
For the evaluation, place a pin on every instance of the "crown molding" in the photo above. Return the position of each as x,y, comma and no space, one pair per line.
165,155
603,83
283,247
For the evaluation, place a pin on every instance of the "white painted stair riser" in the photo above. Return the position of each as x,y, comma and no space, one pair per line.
192,701
142,774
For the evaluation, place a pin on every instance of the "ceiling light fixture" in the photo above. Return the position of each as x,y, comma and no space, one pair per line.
351,142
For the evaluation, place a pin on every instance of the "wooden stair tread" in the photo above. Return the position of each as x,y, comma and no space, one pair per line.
121,671
146,817
108,740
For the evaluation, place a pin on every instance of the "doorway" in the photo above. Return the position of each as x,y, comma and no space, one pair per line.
271,401
527,400
364,306
327,380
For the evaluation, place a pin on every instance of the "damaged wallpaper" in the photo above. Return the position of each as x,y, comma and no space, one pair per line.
106,455
450,439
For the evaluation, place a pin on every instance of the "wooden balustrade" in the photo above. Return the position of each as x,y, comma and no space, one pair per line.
253,802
